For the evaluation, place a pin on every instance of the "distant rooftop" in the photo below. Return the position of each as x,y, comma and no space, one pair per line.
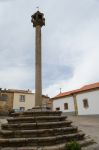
16,91
21,91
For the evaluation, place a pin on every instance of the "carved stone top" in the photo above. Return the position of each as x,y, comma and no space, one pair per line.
38,19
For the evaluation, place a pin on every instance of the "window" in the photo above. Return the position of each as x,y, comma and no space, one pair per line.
65,106
85,103
4,97
22,108
58,108
22,98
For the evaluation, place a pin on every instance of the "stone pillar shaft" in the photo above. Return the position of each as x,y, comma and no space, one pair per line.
38,21
38,72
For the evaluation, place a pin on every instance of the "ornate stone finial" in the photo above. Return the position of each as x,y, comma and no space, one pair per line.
38,19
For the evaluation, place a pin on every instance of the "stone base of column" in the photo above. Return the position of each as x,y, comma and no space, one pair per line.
41,129
40,108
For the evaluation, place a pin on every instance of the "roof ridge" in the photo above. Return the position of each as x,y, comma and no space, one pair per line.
84,88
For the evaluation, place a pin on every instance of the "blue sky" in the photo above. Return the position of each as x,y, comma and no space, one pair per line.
70,44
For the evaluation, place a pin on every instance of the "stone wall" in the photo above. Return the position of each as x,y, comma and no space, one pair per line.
6,101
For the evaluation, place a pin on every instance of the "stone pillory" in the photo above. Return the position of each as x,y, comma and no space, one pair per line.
40,128
38,21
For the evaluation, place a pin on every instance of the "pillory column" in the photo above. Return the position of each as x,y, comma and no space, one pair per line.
38,21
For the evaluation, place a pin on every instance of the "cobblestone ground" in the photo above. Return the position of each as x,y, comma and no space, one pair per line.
88,124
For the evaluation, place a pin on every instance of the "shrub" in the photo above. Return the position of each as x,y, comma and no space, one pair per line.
73,145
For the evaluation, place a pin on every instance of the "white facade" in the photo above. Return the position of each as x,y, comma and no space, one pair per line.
93,103
59,103
76,103
27,103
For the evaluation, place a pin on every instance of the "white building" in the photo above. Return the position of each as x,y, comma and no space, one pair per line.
83,101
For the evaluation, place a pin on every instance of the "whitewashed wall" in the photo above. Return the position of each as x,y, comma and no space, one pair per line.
28,104
93,101
60,103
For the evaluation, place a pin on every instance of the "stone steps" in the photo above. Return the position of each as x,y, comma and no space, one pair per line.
37,133
37,113
36,119
31,126
87,142
39,129
86,145
40,141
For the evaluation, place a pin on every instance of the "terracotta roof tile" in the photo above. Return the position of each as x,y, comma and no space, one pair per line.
84,88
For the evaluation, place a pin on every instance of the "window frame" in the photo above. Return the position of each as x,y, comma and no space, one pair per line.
66,106
22,108
4,97
85,103
22,98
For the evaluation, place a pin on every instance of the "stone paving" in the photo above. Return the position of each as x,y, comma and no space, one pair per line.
89,124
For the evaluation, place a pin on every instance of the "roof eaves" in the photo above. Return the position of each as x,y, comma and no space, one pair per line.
82,89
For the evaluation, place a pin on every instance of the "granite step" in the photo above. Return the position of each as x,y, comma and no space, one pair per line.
41,141
36,113
31,126
36,119
86,142
37,133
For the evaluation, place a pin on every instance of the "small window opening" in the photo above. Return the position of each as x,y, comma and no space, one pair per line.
65,106
4,97
22,108
85,103
22,98
58,108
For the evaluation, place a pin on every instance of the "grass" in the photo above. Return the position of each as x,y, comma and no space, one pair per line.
73,145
